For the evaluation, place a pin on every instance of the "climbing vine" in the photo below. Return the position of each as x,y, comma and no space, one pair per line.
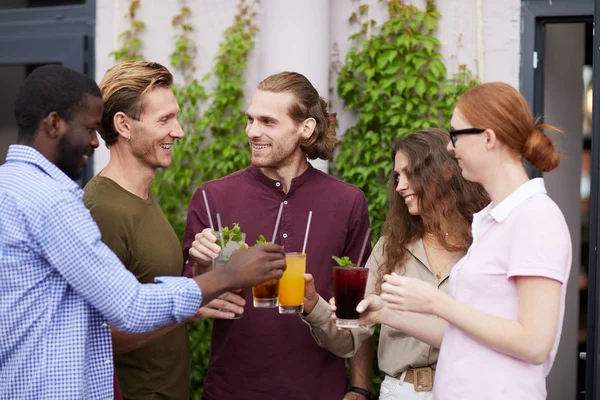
131,37
173,186
215,143
395,81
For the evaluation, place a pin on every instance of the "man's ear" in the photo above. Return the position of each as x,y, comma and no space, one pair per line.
122,124
308,128
53,125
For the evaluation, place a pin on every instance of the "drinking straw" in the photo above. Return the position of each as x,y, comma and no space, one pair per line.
306,235
277,222
207,210
220,232
362,250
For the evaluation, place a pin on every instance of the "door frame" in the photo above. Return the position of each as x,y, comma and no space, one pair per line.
56,34
535,14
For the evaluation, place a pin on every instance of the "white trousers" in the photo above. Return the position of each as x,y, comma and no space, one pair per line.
392,389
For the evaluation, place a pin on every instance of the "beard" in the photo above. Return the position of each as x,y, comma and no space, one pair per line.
148,154
69,157
280,154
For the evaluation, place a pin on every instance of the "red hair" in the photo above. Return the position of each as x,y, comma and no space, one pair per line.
501,108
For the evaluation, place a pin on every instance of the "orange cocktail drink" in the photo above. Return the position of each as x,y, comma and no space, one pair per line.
291,284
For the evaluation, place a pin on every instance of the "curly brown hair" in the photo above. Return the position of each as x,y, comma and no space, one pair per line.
446,200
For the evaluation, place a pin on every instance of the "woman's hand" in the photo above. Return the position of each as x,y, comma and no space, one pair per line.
409,294
371,308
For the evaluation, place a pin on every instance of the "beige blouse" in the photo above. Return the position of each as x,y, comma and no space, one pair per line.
397,352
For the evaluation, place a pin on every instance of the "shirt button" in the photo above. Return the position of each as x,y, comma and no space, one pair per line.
107,361
278,184
104,325
285,235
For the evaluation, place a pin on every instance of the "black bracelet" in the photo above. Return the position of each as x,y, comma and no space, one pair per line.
364,392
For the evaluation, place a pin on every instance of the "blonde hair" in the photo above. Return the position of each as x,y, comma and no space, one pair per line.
307,104
501,108
123,88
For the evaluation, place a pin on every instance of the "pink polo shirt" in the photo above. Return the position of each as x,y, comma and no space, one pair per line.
525,235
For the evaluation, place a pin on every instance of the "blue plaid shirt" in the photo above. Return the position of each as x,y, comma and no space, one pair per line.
60,287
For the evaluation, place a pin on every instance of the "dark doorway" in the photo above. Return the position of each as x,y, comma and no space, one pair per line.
33,34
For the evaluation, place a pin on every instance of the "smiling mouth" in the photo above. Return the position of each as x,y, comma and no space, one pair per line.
260,146
166,146
409,198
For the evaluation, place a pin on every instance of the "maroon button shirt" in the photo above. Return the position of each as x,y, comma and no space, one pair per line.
266,355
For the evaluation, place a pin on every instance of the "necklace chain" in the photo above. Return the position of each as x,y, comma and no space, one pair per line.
437,273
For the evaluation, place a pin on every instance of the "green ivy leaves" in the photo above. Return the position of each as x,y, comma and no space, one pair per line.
132,43
215,142
396,83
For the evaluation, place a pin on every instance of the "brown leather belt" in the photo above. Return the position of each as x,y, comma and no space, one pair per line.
421,378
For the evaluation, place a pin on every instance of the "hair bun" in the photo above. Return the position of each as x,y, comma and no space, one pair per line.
540,152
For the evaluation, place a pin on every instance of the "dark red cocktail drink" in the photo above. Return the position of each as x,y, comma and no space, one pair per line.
349,284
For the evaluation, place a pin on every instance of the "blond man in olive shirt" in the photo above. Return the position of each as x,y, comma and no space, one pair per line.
139,124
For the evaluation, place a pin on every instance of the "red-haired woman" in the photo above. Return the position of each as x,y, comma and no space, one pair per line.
500,326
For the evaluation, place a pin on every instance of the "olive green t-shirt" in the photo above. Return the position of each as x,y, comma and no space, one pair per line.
140,235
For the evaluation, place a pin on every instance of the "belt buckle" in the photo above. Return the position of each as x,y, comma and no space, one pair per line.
423,379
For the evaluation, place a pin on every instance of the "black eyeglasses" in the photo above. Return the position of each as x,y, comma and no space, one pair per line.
453,133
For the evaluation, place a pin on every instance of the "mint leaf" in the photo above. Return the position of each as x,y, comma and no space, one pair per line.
261,240
343,261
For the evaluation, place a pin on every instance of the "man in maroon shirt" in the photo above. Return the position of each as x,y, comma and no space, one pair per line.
265,355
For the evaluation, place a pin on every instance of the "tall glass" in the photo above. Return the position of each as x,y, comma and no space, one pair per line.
291,284
225,254
349,284
265,295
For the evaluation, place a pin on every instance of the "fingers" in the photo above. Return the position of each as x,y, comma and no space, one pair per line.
395,279
205,312
225,306
370,303
309,286
272,248
204,246
397,307
332,306
309,281
208,234
233,298
276,268
394,301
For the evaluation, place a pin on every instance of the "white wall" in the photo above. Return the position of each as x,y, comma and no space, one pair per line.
457,33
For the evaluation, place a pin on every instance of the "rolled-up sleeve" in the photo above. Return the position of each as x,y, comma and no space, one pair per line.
71,243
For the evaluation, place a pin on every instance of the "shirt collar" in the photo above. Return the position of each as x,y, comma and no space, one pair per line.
417,249
296,182
523,192
27,154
